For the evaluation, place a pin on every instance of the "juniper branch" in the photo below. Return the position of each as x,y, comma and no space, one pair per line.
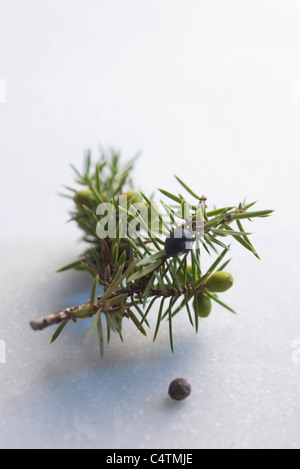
136,272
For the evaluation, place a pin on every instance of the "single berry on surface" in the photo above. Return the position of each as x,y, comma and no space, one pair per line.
179,389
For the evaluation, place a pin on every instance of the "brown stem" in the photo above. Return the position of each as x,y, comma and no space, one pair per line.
54,318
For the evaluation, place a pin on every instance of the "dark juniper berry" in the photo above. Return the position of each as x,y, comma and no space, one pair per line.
179,242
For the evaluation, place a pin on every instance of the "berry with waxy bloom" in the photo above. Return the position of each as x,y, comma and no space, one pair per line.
179,242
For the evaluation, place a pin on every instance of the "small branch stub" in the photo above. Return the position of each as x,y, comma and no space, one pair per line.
54,318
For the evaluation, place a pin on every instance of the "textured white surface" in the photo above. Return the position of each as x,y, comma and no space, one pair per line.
209,91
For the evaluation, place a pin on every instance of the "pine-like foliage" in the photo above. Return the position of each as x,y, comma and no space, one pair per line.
132,266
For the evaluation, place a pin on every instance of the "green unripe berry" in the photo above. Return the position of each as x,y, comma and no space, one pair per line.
133,196
84,197
104,196
219,281
189,274
203,306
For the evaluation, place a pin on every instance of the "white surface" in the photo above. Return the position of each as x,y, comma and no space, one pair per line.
209,91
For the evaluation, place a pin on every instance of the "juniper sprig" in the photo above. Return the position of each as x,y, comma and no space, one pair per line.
142,251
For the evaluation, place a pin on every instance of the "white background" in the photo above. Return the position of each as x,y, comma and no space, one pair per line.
208,90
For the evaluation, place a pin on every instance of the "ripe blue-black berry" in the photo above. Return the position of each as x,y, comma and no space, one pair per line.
179,242
179,389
